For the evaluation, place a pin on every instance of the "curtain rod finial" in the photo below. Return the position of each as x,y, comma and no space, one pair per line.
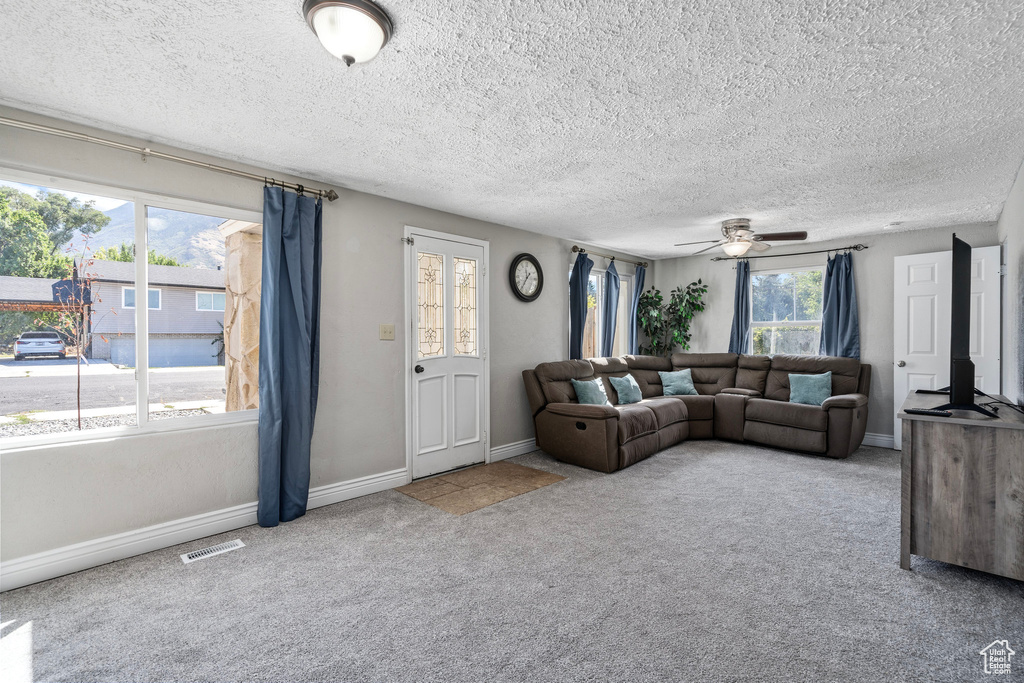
331,195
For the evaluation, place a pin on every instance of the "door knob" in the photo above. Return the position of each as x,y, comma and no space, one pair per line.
901,364
418,369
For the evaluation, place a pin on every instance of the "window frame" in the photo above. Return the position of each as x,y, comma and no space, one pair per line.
772,324
625,282
141,201
214,293
159,297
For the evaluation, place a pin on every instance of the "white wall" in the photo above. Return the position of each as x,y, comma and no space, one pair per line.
49,495
1011,235
873,274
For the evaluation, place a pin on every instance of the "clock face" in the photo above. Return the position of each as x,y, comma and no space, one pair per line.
526,277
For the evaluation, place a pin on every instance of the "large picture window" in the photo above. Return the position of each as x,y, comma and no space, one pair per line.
70,316
786,311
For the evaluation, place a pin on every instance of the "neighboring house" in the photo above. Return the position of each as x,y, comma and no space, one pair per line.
27,294
186,311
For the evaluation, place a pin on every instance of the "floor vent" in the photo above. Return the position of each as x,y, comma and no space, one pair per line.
211,551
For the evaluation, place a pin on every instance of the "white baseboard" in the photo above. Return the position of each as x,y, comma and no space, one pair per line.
511,450
23,571
880,440
354,488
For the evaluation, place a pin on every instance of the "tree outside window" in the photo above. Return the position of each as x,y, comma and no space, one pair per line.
786,311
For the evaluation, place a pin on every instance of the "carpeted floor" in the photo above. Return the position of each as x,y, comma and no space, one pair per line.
709,562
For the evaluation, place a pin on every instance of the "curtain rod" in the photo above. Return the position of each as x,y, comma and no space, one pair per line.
580,249
852,247
329,195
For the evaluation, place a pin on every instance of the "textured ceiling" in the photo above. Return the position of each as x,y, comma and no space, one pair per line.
627,125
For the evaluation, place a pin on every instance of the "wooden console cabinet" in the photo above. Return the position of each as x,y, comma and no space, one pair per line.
963,488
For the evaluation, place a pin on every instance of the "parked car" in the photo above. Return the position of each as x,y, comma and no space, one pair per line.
39,344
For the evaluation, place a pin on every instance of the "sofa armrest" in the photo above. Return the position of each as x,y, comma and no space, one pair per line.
578,410
845,401
741,392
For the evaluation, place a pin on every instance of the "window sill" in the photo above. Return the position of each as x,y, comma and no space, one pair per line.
20,443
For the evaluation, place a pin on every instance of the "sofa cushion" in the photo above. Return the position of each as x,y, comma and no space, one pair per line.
699,407
554,379
845,373
645,371
711,372
677,383
605,369
626,388
752,372
787,414
810,390
635,420
667,410
590,392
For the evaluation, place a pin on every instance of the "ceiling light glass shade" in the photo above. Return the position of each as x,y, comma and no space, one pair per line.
736,248
354,31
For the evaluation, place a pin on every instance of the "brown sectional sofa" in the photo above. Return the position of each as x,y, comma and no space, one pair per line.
740,398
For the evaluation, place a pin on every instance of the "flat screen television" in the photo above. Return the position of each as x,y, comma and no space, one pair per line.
961,370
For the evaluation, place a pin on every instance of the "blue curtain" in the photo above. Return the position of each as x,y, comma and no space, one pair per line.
611,307
739,340
289,351
840,324
578,280
638,289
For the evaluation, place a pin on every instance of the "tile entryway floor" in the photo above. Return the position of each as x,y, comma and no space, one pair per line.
477,487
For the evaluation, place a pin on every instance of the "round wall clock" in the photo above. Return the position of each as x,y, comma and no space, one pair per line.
526,277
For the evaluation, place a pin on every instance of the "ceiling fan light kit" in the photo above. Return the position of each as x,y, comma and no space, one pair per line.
739,238
736,249
354,31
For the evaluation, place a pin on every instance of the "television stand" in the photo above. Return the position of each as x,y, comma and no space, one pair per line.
961,484
959,406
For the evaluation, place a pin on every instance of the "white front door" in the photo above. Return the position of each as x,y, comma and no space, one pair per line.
921,329
447,368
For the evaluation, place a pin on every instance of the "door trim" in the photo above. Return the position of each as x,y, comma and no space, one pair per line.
484,330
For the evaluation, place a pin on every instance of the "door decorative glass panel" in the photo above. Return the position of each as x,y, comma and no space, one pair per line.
465,307
430,305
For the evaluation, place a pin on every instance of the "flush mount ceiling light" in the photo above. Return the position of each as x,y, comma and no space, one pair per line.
354,31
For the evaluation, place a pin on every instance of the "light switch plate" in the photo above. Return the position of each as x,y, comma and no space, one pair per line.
387,332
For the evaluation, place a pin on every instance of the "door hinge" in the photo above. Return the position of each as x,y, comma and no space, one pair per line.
1002,271
409,240
484,269
485,437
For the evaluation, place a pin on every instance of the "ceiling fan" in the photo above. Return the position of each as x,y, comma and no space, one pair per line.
739,238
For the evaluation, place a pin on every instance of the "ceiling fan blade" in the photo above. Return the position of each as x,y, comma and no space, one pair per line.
707,248
686,244
780,236
759,246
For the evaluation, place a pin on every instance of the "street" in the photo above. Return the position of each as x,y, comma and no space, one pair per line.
33,385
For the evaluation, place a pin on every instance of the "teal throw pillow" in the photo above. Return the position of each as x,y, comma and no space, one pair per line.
590,392
810,389
678,383
627,389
